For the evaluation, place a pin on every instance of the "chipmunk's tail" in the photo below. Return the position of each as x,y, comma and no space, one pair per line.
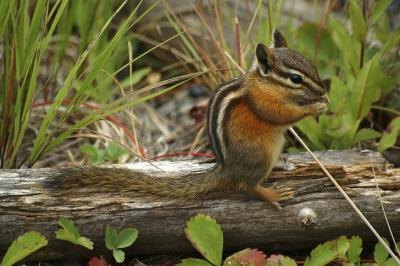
134,183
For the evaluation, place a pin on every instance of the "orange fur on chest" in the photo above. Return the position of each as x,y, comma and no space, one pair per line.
245,125
249,131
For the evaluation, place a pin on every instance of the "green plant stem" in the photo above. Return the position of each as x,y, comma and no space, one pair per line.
386,109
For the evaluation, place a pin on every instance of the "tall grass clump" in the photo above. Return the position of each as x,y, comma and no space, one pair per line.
35,39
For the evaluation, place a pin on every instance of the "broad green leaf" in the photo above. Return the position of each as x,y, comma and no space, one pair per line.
350,50
194,262
119,255
111,238
357,20
126,237
327,252
115,241
310,127
380,253
365,134
342,245
206,236
390,135
353,253
366,89
379,10
23,246
71,234
338,95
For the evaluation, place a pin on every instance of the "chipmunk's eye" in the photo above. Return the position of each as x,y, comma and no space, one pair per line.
295,78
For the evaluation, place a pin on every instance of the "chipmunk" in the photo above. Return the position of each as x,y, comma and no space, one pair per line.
247,119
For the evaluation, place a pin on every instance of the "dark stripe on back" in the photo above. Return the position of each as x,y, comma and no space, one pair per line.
227,117
212,116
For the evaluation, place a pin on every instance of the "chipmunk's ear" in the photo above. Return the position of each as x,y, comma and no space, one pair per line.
278,41
265,58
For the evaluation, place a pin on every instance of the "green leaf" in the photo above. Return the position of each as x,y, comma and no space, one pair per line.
194,262
111,238
357,20
114,151
119,255
115,241
123,239
71,234
349,49
89,150
353,254
380,253
23,246
96,156
310,127
365,134
390,135
367,89
206,236
390,262
328,252
126,237
137,76
379,10
338,95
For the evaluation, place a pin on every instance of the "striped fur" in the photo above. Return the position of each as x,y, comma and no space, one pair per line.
216,112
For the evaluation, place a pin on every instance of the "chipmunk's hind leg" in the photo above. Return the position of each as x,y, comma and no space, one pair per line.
274,195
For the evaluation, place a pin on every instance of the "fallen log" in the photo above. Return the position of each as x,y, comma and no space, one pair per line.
317,212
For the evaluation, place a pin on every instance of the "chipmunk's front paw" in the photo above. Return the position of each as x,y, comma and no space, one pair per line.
319,108
274,195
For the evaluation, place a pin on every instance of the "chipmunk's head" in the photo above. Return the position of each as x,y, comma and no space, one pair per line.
289,72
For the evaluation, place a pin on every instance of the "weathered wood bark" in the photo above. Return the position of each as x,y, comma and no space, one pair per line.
25,204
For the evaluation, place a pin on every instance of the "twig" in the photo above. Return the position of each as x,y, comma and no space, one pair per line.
345,196
237,40
234,62
383,207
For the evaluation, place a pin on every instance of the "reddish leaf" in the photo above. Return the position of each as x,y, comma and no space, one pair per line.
279,260
247,257
95,261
